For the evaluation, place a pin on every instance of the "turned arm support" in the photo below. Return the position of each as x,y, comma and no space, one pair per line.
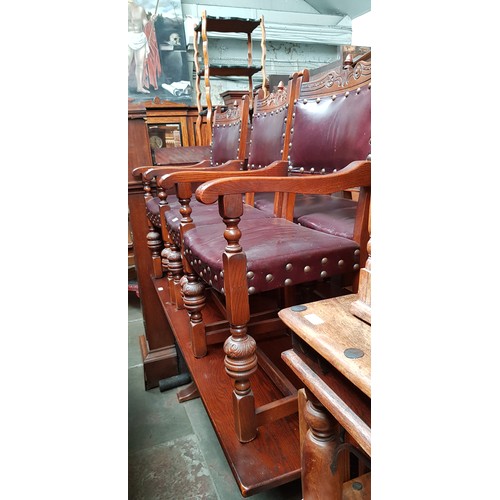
277,168
356,174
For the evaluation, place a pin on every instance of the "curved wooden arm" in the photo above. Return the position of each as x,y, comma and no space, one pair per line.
152,172
277,168
357,173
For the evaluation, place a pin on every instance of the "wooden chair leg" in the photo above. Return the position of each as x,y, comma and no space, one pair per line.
155,244
240,363
319,481
193,295
176,271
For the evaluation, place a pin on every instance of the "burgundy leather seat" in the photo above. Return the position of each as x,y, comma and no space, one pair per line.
279,253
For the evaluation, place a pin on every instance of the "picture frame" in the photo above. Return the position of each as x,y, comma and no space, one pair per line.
157,52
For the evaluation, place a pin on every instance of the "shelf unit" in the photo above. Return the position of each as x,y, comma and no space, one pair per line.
225,25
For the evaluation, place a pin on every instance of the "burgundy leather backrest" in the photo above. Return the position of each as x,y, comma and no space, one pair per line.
229,132
331,131
225,143
266,135
332,121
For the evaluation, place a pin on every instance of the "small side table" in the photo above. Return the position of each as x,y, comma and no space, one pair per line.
331,355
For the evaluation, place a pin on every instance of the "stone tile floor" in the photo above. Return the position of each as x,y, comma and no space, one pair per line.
174,453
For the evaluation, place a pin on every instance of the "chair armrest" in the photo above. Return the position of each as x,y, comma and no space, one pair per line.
151,172
277,168
160,170
357,173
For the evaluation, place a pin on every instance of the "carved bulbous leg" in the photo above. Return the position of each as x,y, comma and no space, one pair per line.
193,295
240,362
318,448
155,244
175,267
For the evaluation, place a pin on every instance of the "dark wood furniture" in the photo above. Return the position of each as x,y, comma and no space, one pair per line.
338,392
226,25
227,152
332,357
145,119
157,345
251,271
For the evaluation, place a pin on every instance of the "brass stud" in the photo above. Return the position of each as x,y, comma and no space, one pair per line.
222,290
305,101
250,275
216,278
269,277
312,170
301,169
324,274
289,267
334,96
318,99
357,251
355,267
307,269
251,290
358,90
324,261
288,282
347,94
341,263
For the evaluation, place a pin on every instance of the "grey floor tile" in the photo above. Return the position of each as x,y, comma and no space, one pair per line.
134,307
154,417
135,330
174,470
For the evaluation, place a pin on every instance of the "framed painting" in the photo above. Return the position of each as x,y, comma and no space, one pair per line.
157,58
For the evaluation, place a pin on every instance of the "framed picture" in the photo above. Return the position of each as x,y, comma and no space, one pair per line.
157,59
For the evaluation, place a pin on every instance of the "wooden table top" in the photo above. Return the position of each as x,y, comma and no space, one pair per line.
330,329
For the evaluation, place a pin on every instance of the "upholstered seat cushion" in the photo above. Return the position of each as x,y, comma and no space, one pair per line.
339,222
305,203
153,208
279,253
203,215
